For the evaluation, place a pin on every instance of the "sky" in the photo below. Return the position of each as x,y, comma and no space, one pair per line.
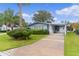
60,11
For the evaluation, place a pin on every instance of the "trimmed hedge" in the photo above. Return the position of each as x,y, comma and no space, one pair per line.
40,32
20,33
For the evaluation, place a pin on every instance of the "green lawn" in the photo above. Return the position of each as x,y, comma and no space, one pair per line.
71,44
7,43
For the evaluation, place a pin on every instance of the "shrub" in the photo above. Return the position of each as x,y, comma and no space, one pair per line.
2,31
77,31
40,32
20,33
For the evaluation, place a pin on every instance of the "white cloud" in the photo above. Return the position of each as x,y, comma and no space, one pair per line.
55,18
27,17
72,10
36,13
74,21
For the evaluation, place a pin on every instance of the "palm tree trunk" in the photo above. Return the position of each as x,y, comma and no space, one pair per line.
12,26
20,15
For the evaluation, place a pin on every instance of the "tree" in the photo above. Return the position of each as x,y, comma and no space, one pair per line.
8,17
42,16
1,18
17,17
16,20
20,14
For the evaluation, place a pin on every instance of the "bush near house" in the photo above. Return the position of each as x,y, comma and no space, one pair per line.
77,31
74,26
39,32
20,33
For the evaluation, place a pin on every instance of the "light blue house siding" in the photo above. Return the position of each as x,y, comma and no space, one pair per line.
38,26
52,28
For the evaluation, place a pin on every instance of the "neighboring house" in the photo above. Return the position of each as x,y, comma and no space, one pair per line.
52,27
4,27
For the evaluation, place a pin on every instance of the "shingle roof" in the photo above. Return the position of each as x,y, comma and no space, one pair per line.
59,24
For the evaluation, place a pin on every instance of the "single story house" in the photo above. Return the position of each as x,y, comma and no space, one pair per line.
4,27
52,27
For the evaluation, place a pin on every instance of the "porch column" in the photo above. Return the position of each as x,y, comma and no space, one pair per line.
65,27
50,29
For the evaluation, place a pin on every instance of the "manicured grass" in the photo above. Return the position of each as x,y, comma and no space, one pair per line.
7,43
71,44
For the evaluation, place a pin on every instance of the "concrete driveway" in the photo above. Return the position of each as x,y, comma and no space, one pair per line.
53,45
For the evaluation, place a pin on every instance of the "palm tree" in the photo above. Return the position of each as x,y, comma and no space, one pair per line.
17,17
8,16
20,14
1,18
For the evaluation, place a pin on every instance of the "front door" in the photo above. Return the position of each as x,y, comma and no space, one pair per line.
56,29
